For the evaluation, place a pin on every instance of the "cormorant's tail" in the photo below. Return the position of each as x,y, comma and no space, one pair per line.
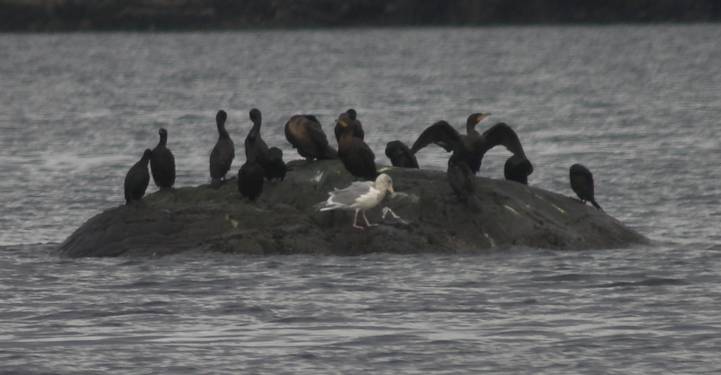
593,202
440,133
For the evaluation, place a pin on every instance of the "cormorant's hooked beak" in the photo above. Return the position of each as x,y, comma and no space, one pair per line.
482,117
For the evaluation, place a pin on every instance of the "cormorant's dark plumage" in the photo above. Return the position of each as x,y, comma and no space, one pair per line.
223,153
582,184
255,147
468,150
472,146
352,122
517,168
162,163
462,181
305,133
276,167
137,179
250,179
355,154
401,155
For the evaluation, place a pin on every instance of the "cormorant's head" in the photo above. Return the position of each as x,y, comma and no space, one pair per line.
344,120
147,154
352,113
274,153
476,118
393,148
255,115
221,117
163,133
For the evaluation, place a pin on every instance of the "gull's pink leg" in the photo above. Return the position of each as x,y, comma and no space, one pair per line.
355,220
366,219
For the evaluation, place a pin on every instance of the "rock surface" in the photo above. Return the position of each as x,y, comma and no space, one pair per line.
285,219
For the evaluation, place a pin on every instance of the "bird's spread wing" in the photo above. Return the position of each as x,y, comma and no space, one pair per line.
502,134
440,133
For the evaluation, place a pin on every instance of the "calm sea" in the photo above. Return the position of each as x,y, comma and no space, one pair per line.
639,105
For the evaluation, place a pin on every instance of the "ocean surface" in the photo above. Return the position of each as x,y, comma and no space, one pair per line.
639,105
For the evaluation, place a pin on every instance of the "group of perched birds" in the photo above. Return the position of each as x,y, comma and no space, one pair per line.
305,133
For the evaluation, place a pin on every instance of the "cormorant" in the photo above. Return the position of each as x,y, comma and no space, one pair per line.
250,179
401,155
517,168
582,184
353,123
473,145
355,154
305,133
468,150
276,167
223,152
137,179
255,147
162,163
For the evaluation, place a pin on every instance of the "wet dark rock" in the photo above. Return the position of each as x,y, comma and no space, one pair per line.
284,220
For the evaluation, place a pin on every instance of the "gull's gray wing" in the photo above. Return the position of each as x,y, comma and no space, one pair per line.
347,196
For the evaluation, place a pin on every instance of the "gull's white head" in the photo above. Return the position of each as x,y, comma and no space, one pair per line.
384,182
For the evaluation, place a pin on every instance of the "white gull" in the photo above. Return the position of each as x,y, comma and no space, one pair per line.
359,196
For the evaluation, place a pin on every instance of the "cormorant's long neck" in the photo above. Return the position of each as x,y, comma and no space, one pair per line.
145,159
222,133
163,140
255,130
471,127
345,136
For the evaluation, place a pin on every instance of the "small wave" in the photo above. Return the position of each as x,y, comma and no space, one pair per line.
653,281
566,277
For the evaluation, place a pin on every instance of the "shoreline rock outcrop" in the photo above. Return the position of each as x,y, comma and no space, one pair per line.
285,219
56,15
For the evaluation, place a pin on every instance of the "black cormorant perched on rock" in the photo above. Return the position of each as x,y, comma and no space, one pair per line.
162,163
582,184
459,172
137,179
472,146
223,153
468,150
305,133
353,123
462,181
276,168
250,179
355,154
401,155
517,168
255,147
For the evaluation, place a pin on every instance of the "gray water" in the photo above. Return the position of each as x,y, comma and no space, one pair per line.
640,106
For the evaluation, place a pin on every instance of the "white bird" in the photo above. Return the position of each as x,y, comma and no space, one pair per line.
359,196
